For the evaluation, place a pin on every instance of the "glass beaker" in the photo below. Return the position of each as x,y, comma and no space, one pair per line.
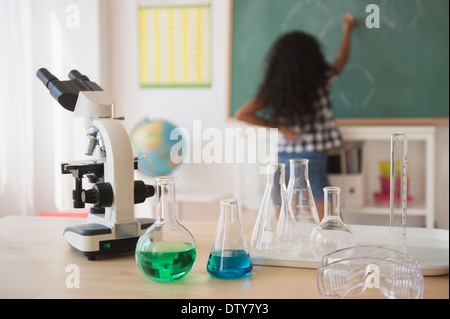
167,250
229,258
332,233
275,232
398,192
301,198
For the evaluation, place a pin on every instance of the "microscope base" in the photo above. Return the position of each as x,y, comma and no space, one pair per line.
108,248
95,240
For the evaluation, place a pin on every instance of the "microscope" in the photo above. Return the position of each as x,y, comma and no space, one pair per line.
111,227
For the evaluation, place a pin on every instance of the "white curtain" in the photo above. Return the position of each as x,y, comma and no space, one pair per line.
16,112
36,133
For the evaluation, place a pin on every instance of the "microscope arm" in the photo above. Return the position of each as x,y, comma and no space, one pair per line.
118,169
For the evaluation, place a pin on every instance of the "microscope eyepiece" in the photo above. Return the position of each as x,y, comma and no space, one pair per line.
45,76
75,75
62,91
83,81
66,92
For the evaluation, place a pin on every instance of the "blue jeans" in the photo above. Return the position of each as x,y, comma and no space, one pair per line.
317,170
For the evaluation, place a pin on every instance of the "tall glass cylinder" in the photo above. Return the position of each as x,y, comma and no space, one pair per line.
398,192
167,250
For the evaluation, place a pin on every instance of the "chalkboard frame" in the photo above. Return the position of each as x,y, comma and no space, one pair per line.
405,121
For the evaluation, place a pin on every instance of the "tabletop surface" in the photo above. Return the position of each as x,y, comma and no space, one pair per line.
36,262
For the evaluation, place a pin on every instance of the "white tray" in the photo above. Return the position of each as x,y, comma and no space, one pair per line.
428,246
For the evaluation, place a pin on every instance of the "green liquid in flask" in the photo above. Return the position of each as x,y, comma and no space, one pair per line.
166,261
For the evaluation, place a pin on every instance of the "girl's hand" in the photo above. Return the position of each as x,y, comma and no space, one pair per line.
289,136
349,22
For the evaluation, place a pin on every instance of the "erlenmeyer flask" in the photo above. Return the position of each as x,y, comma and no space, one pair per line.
229,258
275,233
301,198
332,233
167,250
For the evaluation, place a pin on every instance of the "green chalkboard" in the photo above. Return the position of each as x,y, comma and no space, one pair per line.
399,70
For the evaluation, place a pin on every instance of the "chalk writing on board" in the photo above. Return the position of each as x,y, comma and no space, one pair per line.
323,14
368,84
401,19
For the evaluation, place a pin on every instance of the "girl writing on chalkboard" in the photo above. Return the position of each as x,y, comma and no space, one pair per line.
295,96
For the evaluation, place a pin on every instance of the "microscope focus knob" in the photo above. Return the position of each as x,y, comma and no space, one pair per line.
142,191
89,196
100,195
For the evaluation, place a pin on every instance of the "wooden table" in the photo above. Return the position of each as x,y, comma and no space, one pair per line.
34,257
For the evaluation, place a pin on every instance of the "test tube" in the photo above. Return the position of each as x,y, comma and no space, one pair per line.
398,192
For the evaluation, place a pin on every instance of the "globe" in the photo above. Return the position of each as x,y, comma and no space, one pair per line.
151,139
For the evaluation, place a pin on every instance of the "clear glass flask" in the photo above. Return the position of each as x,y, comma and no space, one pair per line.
398,192
229,257
301,198
332,233
167,250
275,233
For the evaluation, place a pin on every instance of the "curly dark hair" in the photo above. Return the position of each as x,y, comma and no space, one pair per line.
295,70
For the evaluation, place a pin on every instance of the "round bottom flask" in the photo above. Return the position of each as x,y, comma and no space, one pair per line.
167,250
332,233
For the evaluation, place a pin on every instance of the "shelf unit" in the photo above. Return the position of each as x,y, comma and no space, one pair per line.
421,158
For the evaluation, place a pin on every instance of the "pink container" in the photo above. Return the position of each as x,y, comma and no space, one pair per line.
386,185
385,195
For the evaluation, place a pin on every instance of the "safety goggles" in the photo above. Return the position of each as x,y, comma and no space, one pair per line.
350,272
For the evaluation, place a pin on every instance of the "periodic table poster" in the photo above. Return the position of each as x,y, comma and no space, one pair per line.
174,43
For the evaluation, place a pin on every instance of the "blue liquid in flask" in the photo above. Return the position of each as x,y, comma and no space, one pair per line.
229,264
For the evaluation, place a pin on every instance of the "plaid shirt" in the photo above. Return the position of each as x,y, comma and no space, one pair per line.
323,134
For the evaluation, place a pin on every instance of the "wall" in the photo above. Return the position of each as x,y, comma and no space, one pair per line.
178,105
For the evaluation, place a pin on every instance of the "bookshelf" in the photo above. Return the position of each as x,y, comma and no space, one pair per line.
374,144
